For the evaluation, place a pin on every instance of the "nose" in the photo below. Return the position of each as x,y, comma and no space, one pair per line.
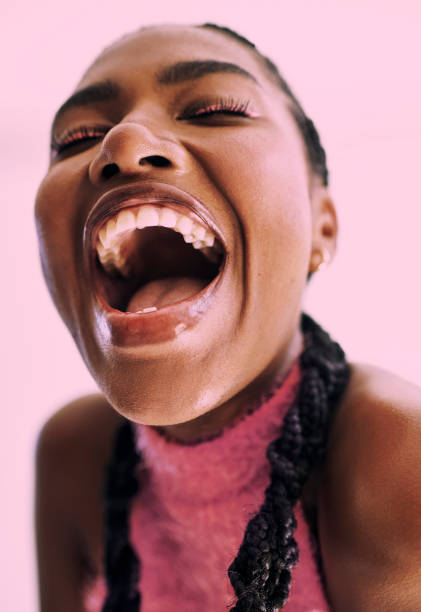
134,149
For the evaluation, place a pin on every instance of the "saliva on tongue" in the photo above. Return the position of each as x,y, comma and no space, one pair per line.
165,291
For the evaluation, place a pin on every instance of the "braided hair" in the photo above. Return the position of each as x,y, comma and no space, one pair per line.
261,572
121,563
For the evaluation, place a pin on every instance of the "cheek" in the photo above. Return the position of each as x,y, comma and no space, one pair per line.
277,228
264,176
262,172
56,224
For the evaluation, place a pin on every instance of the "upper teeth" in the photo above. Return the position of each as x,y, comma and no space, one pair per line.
110,235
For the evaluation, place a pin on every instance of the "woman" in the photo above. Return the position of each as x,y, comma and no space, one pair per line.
185,208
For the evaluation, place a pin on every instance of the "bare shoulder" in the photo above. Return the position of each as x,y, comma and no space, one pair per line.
383,389
377,433
380,413
370,495
80,428
73,450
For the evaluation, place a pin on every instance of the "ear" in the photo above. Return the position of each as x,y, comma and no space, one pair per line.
324,227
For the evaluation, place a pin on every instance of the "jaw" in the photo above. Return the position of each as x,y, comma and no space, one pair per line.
231,336
196,382
184,374
177,378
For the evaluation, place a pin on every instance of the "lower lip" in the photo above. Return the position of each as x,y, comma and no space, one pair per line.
127,329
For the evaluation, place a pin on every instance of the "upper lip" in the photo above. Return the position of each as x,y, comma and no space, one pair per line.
117,199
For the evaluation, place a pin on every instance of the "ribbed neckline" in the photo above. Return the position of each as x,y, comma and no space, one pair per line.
209,469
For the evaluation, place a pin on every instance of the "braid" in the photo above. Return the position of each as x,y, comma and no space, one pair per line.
122,566
261,572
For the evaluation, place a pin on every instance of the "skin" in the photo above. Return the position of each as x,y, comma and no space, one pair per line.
286,210
209,375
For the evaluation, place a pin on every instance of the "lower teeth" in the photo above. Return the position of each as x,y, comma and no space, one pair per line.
145,310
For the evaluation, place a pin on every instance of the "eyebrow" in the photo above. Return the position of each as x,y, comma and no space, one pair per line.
188,71
180,72
102,91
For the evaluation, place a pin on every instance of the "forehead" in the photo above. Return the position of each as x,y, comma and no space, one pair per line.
143,53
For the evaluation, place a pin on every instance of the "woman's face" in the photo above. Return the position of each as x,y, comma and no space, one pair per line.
170,124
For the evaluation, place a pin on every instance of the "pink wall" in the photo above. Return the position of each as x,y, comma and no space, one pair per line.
354,64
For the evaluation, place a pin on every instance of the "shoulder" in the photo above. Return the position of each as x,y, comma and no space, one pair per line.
82,426
72,453
370,500
74,445
377,433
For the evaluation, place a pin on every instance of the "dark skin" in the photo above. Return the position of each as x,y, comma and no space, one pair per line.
367,494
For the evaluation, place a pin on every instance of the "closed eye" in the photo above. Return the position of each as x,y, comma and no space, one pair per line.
86,136
82,135
228,106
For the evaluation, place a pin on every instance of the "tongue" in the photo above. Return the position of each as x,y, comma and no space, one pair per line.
165,291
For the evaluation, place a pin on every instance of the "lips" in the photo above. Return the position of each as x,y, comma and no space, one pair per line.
179,283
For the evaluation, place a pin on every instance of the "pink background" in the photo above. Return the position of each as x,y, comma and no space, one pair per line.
355,66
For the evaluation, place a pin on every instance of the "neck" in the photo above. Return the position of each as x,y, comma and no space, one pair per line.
211,423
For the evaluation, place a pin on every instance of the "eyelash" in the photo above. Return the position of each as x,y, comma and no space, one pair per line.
195,111
222,106
76,135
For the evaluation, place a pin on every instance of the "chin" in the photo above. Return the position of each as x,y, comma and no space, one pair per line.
170,387
158,406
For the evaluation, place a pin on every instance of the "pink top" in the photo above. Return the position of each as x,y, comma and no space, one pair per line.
189,518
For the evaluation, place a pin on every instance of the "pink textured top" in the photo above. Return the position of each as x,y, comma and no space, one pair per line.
189,518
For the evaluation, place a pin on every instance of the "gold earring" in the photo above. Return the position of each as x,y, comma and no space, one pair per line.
320,259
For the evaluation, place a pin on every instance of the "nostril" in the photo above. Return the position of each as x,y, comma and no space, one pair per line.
109,171
155,160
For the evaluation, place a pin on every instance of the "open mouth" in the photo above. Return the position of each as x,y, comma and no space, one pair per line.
150,256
